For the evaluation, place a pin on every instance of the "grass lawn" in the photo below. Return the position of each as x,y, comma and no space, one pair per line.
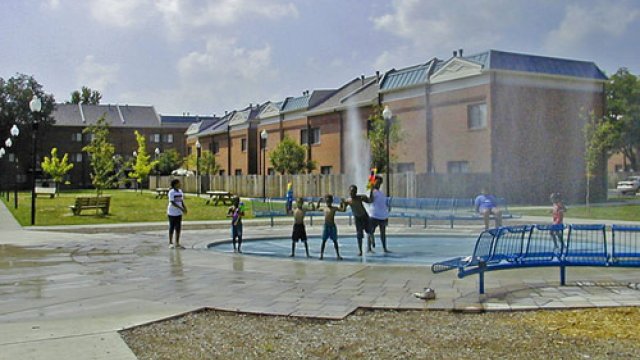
126,206
627,212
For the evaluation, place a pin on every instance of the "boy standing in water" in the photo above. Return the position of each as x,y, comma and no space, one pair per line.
236,212
175,210
330,229
299,231
361,217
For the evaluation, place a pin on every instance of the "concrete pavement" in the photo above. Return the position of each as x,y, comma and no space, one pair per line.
65,293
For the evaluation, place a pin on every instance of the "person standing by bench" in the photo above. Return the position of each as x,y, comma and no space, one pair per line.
236,212
379,213
487,205
175,210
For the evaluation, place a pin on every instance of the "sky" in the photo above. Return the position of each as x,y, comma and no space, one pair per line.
206,57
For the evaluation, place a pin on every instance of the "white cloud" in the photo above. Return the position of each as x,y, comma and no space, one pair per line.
226,75
121,13
95,75
428,28
583,22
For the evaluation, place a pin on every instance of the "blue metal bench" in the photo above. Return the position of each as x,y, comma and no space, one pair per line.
524,246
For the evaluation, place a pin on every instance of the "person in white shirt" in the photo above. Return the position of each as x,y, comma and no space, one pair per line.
379,212
175,210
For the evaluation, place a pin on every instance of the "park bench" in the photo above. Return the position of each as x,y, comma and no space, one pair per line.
525,246
96,203
48,191
440,209
161,192
219,195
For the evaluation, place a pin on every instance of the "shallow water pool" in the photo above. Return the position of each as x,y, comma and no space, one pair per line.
407,249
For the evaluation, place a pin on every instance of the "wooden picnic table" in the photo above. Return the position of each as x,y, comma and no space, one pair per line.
219,195
161,192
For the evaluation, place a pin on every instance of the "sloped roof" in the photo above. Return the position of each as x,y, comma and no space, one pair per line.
245,115
115,115
409,76
502,60
218,126
306,101
200,126
182,121
337,99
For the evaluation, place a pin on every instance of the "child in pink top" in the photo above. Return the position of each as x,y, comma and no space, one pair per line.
557,214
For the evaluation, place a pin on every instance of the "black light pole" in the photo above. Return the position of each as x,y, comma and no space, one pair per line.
157,153
263,136
2,152
198,146
35,105
388,116
8,143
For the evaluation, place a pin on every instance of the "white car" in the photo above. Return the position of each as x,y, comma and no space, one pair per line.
630,185
182,172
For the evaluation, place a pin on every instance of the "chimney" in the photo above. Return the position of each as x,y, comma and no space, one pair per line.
378,75
455,53
250,106
460,51
362,80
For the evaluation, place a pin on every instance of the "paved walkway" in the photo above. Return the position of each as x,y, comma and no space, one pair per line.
66,294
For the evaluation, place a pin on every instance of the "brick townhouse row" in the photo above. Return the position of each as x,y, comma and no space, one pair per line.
515,116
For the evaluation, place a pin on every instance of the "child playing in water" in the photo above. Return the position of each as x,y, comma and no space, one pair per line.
299,231
361,217
236,212
557,214
330,229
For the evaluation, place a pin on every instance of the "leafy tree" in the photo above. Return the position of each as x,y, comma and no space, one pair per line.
289,157
56,168
168,161
15,95
142,166
623,113
377,135
208,164
101,154
601,137
86,96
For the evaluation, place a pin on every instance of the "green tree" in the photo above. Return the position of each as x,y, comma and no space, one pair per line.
101,154
142,166
15,95
208,164
377,135
56,167
289,157
168,161
86,96
623,113
601,137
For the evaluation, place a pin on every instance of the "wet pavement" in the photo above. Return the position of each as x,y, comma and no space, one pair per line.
65,293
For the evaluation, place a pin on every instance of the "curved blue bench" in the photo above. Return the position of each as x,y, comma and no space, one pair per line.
513,247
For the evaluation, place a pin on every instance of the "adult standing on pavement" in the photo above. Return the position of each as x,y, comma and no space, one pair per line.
379,212
175,210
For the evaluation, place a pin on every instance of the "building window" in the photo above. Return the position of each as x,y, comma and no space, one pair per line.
238,171
155,138
76,137
88,137
78,157
477,116
12,157
456,167
243,144
215,147
405,167
325,170
270,171
167,138
313,138
189,150
221,172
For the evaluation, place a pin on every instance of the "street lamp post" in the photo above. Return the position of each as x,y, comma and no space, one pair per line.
135,156
388,117
157,153
35,105
198,146
14,132
5,191
263,136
